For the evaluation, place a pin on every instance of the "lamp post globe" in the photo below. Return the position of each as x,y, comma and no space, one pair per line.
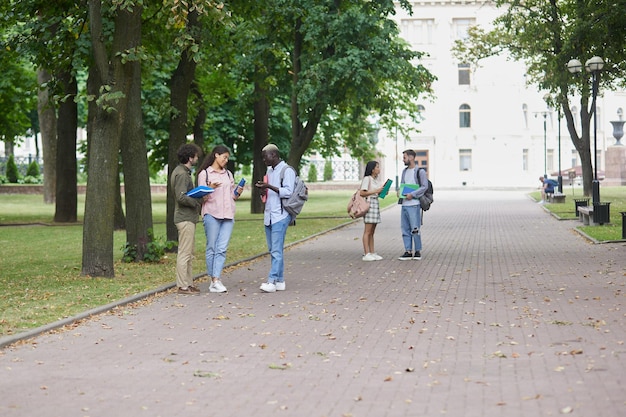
574,66
595,63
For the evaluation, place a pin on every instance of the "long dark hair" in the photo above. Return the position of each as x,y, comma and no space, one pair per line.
370,167
210,157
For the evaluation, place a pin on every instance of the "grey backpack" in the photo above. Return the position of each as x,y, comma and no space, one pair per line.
294,203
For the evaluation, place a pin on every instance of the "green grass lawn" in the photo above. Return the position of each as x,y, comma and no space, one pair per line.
40,262
615,195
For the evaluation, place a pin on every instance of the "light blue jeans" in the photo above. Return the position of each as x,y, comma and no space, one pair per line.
275,237
410,222
217,233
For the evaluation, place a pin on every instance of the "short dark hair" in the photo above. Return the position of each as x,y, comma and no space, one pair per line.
410,152
187,151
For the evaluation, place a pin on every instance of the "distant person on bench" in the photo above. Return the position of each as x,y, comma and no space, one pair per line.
547,188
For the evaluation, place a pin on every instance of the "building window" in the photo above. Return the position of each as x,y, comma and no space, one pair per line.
465,159
461,27
574,157
525,160
421,109
464,116
417,31
464,74
525,113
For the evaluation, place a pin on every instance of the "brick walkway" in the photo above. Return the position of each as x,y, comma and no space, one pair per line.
509,313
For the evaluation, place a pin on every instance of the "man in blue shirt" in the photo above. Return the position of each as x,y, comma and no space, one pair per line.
275,219
547,188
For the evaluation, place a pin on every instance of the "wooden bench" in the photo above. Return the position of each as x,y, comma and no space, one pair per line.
556,197
585,214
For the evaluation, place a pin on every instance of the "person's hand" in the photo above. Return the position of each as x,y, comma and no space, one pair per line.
214,184
409,196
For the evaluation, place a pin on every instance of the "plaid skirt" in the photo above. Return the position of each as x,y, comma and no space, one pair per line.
373,214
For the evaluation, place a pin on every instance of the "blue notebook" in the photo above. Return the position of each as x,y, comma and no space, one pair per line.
408,188
200,191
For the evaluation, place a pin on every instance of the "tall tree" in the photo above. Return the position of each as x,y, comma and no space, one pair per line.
48,128
66,191
180,89
138,222
17,89
340,57
113,76
546,35
198,29
49,35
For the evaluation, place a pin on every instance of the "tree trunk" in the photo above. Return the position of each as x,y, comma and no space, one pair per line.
9,148
261,137
48,130
582,143
66,203
200,119
301,134
112,77
180,87
136,171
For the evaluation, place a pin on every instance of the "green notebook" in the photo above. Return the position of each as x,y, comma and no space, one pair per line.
386,188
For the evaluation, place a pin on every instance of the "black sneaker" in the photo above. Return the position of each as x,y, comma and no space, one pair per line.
417,255
406,257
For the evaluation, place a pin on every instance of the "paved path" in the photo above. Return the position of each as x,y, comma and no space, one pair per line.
509,313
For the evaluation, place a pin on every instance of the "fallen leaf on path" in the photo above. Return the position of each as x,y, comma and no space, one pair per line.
282,367
206,374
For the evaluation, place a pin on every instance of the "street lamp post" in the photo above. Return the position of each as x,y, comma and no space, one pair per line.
545,149
560,177
593,65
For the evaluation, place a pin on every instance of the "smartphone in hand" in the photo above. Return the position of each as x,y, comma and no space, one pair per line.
241,184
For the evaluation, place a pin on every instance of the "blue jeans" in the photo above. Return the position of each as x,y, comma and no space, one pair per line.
275,237
410,222
217,233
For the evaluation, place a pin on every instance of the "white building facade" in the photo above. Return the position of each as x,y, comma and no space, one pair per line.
485,126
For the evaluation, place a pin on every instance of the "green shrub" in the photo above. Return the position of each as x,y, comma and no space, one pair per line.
154,251
328,170
12,173
3,179
312,173
33,169
29,179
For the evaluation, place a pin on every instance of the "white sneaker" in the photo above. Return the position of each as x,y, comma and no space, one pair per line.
368,257
377,257
217,286
280,286
268,287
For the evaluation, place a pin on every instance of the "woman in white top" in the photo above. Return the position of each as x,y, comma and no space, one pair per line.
371,186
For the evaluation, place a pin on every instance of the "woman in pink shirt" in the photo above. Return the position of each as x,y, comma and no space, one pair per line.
218,211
